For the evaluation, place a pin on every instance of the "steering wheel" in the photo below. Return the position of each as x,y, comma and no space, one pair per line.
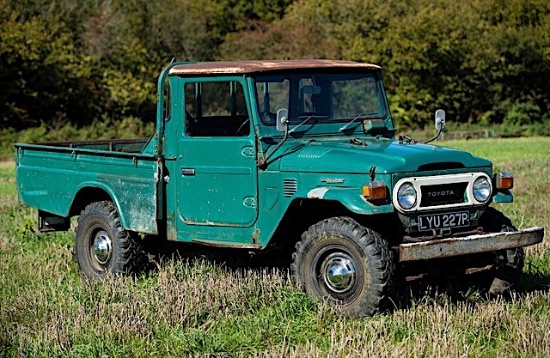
238,132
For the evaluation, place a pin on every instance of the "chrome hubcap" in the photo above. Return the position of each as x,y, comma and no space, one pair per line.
338,272
101,249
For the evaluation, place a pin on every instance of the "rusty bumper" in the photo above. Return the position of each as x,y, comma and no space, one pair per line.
473,244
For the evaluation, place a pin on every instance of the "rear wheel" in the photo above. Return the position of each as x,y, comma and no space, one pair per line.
102,246
344,263
509,262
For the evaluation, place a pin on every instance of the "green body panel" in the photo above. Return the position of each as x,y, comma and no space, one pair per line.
50,177
387,155
212,192
504,197
209,189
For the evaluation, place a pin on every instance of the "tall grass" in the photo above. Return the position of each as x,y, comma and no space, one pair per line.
196,307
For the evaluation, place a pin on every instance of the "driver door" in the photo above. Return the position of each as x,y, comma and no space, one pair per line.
218,185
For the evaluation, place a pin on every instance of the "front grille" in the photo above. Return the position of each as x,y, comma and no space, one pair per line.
444,194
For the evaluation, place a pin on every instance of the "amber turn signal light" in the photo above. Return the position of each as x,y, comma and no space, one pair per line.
375,190
504,180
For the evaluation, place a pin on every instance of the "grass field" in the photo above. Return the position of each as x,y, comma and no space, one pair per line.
200,308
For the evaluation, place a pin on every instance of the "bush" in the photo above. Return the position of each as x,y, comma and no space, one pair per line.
522,113
128,127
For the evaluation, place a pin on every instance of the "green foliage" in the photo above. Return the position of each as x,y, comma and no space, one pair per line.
483,61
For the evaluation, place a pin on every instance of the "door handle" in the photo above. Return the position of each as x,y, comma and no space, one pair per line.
188,171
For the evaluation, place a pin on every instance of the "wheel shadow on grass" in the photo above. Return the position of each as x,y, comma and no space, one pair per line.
472,288
232,259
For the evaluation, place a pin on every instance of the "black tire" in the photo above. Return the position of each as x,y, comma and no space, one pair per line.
102,246
362,258
509,263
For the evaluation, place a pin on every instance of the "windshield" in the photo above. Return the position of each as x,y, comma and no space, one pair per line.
341,97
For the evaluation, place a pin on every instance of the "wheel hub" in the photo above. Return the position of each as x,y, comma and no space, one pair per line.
338,272
101,249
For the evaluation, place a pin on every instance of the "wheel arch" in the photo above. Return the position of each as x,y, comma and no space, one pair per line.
304,212
93,192
300,215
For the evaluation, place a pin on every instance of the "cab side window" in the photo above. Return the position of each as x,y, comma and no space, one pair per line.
215,109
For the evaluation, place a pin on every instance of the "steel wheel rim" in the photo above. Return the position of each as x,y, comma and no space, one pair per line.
338,272
101,249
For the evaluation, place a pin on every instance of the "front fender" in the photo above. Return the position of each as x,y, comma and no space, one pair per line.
351,198
503,196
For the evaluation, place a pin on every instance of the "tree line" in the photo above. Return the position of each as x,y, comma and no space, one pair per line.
81,62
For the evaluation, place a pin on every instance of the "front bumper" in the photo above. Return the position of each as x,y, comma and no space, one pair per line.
473,244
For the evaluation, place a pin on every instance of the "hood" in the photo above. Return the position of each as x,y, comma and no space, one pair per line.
388,156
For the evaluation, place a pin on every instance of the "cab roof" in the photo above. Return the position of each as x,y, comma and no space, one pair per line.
244,67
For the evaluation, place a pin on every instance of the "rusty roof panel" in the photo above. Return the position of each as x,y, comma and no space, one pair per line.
242,67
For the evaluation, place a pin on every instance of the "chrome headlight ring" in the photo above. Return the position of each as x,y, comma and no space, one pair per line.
406,196
482,189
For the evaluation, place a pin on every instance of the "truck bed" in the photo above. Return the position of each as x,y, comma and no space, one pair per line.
62,178
133,145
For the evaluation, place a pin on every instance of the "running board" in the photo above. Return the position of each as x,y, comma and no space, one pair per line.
232,245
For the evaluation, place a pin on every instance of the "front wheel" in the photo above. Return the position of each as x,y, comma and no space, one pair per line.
509,263
345,263
102,246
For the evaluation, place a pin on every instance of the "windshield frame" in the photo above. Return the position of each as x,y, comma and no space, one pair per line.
327,77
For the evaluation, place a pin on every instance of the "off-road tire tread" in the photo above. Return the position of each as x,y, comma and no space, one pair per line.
379,258
511,261
128,256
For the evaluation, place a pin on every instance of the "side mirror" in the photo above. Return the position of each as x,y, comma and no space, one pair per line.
440,121
282,119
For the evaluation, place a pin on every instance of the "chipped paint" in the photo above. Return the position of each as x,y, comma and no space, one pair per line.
256,237
317,193
333,180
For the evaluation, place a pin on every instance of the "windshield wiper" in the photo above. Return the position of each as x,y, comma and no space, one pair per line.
304,122
355,117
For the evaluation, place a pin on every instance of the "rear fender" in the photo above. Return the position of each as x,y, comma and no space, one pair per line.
131,217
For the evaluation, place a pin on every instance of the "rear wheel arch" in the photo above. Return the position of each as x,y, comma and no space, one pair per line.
90,194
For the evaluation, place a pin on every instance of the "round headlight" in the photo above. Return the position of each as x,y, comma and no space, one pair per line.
406,196
482,189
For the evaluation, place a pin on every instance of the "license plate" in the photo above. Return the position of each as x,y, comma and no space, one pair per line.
443,221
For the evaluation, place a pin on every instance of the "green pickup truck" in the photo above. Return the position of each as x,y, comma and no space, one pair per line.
299,155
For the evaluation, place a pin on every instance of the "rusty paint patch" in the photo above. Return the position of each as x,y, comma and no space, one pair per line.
256,236
469,245
171,232
238,67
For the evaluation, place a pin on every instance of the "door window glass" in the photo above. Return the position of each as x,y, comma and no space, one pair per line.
215,109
